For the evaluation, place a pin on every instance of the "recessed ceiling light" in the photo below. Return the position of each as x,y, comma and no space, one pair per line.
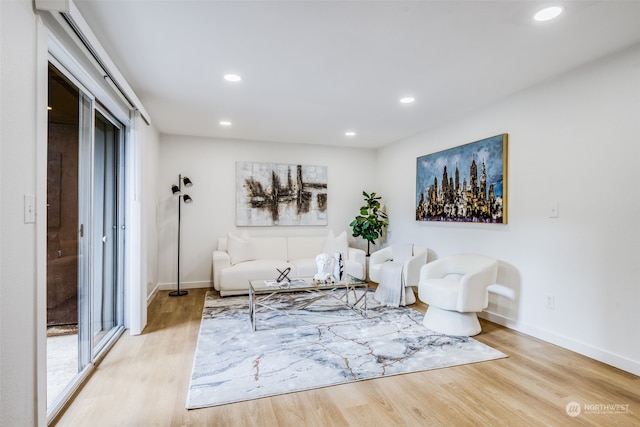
225,123
407,100
232,78
349,133
548,13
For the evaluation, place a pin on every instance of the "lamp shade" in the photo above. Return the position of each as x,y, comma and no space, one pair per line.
175,189
187,182
187,199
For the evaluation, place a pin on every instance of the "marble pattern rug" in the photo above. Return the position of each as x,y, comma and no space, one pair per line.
325,344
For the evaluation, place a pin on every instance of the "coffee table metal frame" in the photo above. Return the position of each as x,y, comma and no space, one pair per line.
261,295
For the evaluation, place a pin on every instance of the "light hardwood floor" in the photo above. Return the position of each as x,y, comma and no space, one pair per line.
143,382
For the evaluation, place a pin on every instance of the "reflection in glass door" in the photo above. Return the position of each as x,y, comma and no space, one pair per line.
108,227
62,234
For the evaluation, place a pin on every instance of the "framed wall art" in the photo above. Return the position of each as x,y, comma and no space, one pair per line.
467,183
270,194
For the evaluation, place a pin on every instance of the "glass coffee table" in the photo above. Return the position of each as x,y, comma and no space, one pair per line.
263,294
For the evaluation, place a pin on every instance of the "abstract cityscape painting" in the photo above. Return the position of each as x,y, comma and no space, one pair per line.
270,194
464,184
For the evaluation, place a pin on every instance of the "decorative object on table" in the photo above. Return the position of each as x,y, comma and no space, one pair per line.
338,266
323,262
307,349
280,194
283,276
286,284
464,184
371,222
177,191
328,281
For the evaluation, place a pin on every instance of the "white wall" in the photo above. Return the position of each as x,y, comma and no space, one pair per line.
210,163
17,239
150,158
575,141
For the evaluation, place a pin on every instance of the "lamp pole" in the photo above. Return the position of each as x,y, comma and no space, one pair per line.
177,190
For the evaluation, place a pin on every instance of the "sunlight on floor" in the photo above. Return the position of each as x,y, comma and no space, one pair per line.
62,363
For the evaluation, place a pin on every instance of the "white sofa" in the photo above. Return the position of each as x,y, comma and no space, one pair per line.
239,259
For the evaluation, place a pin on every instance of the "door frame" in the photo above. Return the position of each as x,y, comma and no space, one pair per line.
49,45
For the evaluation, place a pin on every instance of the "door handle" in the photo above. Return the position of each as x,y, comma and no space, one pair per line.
104,239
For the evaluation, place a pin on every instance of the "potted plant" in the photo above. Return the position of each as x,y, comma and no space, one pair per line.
371,221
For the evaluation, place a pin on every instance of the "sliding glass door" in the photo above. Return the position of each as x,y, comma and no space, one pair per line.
85,180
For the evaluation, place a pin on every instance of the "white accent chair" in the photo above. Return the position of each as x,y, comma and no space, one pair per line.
455,288
412,258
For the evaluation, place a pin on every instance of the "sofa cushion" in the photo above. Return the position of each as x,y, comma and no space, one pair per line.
271,248
303,247
240,248
305,267
442,293
338,243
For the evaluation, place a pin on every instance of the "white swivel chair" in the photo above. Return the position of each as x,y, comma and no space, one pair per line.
455,288
405,256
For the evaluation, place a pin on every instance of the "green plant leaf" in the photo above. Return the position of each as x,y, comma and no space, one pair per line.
371,221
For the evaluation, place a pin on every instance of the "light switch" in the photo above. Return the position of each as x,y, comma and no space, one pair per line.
29,208
554,210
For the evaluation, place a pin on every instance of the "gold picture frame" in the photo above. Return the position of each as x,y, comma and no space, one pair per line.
467,183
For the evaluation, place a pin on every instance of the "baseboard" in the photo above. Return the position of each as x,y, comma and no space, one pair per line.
568,343
183,285
152,295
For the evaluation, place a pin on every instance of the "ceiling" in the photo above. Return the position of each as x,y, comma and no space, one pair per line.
312,70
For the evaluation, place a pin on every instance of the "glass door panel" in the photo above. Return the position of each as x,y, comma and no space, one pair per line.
106,230
62,233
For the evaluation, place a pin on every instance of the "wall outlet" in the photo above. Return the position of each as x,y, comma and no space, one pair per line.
550,301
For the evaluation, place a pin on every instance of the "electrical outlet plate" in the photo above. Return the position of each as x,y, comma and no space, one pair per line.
550,301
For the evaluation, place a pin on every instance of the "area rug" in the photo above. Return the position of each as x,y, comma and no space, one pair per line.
325,344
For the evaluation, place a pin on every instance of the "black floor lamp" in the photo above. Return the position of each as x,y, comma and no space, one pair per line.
177,191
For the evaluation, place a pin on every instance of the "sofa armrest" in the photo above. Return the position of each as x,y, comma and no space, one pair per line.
221,260
436,269
357,255
376,260
472,295
412,268
381,256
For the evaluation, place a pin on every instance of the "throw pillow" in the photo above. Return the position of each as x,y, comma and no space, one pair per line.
335,244
240,248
